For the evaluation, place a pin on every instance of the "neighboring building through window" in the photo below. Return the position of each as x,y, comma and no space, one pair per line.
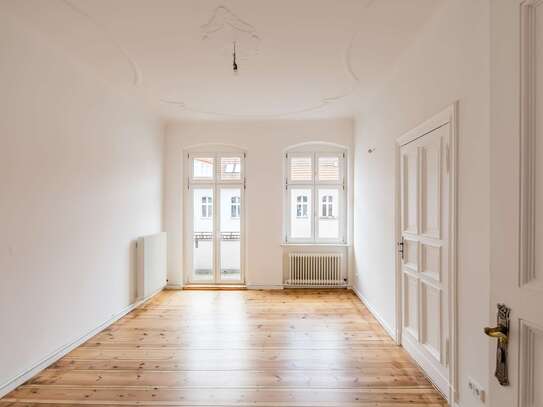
327,206
301,206
207,207
235,207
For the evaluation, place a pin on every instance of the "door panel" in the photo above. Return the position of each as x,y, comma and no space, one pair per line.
411,305
410,190
431,262
431,332
430,161
424,264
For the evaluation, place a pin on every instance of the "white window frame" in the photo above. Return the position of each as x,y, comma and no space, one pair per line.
315,185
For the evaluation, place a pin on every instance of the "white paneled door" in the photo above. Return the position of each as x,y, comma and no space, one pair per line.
425,246
516,155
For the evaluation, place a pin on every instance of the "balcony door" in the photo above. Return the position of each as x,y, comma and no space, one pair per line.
216,218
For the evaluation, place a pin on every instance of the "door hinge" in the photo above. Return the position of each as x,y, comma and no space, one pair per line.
401,248
447,351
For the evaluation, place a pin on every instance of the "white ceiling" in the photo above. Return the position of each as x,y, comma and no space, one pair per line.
297,58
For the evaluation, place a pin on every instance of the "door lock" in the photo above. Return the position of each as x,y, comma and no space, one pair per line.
501,332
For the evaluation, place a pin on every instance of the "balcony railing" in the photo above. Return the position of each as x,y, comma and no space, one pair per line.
207,236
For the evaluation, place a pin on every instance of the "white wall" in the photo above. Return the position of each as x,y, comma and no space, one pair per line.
80,180
264,143
448,61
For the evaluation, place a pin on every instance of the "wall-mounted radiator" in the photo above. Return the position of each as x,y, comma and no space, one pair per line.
315,270
151,266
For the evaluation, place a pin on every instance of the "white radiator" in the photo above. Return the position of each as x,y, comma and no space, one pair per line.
151,266
315,270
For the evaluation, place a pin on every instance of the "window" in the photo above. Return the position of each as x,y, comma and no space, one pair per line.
230,168
315,197
202,168
207,207
235,207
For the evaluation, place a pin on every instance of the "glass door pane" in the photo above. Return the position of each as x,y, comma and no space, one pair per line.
202,226
229,231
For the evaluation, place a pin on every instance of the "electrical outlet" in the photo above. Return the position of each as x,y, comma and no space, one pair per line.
476,389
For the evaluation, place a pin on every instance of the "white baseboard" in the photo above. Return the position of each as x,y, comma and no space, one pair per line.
265,287
440,382
174,287
48,360
371,308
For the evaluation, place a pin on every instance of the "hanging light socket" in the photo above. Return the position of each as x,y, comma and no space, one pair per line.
234,63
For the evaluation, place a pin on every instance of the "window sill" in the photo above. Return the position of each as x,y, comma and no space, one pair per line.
316,244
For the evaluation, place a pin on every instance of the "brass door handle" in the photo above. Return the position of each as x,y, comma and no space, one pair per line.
499,332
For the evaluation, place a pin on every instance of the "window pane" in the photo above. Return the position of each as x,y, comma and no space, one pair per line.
202,168
329,168
329,213
202,255
300,169
230,244
300,213
230,168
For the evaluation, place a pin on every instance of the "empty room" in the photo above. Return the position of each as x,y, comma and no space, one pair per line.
271,203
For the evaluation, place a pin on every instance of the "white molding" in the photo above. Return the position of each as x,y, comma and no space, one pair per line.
376,315
318,105
221,18
527,142
48,360
435,122
138,76
174,287
265,286
447,115
527,351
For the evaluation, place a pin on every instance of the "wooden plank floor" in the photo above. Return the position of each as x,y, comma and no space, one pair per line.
236,348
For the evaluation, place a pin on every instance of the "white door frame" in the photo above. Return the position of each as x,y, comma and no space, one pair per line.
448,115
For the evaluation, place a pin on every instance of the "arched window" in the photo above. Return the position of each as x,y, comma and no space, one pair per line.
315,195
